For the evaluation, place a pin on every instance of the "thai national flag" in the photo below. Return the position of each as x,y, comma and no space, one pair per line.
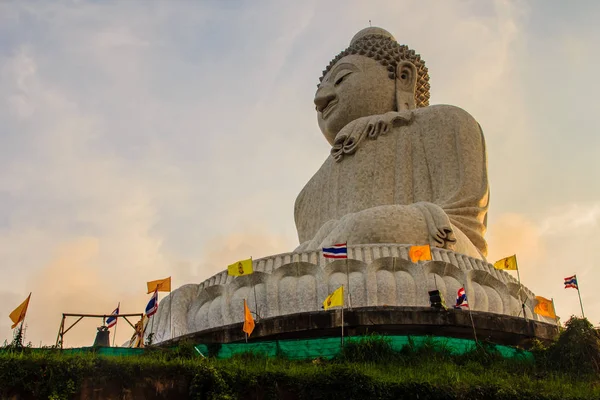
461,298
112,321
571,282
336,251
152,306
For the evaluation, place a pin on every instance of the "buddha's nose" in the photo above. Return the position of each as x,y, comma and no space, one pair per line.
323,97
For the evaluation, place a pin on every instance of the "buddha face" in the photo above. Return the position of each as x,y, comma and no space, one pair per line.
356,86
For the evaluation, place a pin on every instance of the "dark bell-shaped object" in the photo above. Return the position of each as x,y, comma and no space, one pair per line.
435,299
102,337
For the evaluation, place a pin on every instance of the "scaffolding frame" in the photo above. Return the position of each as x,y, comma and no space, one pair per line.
62,331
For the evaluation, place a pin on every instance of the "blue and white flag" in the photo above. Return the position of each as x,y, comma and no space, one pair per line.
571,282
152,306
112,321
461,298
336,251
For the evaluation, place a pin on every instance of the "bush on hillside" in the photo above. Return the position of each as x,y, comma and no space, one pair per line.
577,349
427,349
368,348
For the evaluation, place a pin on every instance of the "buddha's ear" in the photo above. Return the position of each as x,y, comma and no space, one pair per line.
406,82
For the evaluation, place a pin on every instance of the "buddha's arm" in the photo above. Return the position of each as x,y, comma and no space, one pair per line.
460,187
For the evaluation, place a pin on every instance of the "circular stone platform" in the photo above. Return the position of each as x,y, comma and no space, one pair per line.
379,278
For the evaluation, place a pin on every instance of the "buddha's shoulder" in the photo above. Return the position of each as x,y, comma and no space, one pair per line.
446,115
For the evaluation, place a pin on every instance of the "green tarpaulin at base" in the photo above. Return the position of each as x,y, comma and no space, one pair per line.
303,349
106,351
308,349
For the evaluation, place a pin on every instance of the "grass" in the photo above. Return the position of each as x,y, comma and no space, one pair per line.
367,368
54,375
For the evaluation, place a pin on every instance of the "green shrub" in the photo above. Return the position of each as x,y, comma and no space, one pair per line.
185,350
577,349
209,384
484,353
428,349
369,348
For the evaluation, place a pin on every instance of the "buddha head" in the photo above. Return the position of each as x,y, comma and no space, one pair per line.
374,75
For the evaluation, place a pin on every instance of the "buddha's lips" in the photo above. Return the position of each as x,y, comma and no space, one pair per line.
326,111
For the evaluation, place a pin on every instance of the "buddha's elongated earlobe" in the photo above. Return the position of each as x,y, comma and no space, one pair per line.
406,82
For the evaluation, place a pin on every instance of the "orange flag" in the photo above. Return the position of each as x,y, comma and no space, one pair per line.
418,253
544,307
248,320
163,285
18,313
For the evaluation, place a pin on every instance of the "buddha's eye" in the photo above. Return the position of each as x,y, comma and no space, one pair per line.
339,78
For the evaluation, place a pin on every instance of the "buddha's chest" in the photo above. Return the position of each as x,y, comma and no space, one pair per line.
370,177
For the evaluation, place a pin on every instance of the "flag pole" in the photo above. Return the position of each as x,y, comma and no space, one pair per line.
256,302
22,332
342,316
520,289
244,324
470,315
348,280
29,299
171,311
579,293
116,323
254,289
23,320
554,309
153,315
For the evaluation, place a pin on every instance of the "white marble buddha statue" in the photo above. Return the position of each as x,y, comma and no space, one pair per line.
400,171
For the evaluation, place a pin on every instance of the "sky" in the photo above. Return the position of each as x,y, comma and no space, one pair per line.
146,139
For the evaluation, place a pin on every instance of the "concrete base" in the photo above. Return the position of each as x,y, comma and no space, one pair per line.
497,328
377,275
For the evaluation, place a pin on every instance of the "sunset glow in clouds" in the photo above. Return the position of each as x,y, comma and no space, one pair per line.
140,140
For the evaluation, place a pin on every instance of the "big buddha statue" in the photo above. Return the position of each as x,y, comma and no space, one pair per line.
400,173
400,170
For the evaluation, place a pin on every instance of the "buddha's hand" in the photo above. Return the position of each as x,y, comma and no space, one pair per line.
438,224
372,126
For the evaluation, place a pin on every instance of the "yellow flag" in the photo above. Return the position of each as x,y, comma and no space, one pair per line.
248,320
418,253
163,285
509,263
18,313
544,307
334,299
243,267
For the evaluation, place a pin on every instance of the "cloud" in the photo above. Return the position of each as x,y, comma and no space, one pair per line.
79,279
515,234
557,244
118,37
572,219
72,282
222,251
20,70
